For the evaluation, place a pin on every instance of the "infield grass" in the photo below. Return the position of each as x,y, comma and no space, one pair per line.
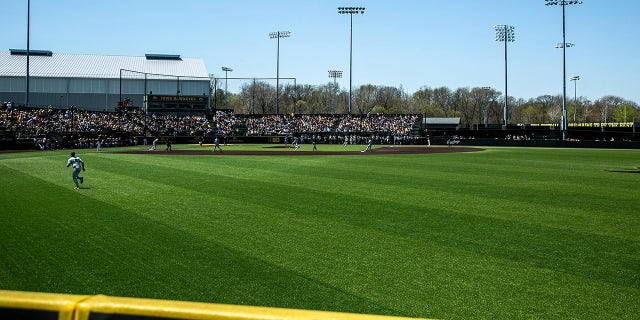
503,233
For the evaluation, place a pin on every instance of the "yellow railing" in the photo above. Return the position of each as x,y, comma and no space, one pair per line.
35,305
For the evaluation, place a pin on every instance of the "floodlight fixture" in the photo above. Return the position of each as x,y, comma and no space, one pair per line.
278,35
351,11
505,33
335,74
561,3
563,45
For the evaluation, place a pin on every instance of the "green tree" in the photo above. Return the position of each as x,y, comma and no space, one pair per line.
257,97
424,101
442,100
461,106
624,112
606,105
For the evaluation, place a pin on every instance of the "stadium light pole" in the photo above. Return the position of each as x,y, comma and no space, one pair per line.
564,44
335,74
505,33
120,83
575,96
485,111
226,77
565,118
26,96
278,35
350,11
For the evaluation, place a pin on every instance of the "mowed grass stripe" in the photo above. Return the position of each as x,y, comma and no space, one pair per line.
526,197
251,191
422,258
158,188
395,269
95,247
562,250
271,230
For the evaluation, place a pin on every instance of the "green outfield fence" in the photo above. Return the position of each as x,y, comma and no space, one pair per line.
45,306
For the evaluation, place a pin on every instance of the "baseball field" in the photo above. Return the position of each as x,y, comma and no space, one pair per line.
498,233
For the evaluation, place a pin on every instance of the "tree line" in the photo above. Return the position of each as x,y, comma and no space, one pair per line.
474,106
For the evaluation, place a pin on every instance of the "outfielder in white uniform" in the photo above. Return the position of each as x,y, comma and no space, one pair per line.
77,165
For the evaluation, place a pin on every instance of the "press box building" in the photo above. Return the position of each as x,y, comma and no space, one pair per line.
154,82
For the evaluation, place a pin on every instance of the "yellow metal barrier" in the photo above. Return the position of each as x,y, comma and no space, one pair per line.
36,306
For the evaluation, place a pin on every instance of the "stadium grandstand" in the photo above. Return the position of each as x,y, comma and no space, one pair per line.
159,82
76,100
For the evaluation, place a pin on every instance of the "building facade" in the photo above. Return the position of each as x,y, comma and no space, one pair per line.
170,83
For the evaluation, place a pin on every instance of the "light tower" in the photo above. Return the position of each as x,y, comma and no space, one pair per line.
226,92
278,35
350,11
335,74
26,95
563,3
226,71
505,33
575,96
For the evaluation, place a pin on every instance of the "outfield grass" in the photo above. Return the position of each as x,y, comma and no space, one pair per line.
504,233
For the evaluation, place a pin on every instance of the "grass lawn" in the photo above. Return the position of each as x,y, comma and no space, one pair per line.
503,233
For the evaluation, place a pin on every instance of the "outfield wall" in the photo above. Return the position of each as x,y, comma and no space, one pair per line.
28,144
616,144
45,306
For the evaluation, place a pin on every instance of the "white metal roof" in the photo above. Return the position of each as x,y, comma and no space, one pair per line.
96,66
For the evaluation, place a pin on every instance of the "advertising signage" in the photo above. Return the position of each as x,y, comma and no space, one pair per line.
177,99
176,104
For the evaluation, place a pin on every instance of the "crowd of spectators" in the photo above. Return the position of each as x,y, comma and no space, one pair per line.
359,138
38,122
287,124
397,124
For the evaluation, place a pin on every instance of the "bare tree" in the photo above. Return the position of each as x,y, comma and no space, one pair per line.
442,100
473,106
480,102
390,100
460,102
364,99
550,108
606,105
257,97
425,100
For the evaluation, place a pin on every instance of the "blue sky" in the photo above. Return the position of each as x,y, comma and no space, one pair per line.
410,43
